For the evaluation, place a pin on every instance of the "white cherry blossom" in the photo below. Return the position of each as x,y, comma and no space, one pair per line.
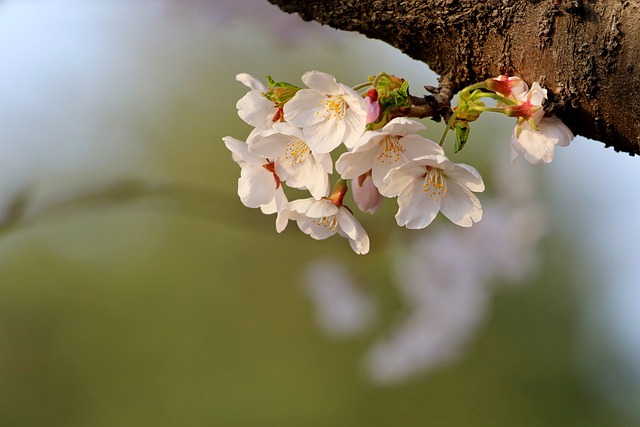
382,150
536,137
324,218
537,146
258,185
433,183
295,162
329,112
254,108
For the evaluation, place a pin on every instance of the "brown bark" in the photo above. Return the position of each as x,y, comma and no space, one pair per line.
586,52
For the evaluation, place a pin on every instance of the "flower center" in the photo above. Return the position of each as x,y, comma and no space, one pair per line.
434,183
330,222
333,108
297,151
271,167
390,150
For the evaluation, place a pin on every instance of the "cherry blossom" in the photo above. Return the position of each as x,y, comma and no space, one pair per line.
254,108
382,150
536,137
324,218
258,185
433,183
295,162
329,112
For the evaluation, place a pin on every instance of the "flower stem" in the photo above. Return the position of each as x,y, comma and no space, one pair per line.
361,86
446,130
374,85
339,191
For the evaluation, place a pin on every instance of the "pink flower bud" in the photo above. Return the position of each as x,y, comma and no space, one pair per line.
373,106
366,194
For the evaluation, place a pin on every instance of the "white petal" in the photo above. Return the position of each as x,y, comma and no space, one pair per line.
467,176
418,146
358,237
399,178
269,143
402,126
416,209
460,205
303,109
289,212
320,208
288,129
240,151
256,110
322,82
355,125
533,145
318,183
556,129
325,160
276,205
435,161
381,167
316,228
270,208
306,175
256,186
250,81
352,165
368,141
300,205
282,220
325,136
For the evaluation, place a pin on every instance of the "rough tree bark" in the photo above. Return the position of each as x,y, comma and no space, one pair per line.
586,52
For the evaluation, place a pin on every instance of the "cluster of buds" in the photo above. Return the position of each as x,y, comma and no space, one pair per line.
298,130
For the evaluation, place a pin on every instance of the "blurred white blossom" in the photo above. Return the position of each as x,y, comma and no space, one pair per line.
341,307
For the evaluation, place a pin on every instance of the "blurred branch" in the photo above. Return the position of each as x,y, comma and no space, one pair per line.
203,204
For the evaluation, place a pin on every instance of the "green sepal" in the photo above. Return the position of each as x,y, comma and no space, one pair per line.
279,92
393,92
398,98
463,130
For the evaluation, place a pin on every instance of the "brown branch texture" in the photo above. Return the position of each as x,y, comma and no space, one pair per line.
586,52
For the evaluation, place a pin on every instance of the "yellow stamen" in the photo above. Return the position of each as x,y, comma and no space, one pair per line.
297,151
390,150
434,184
330,222
333,107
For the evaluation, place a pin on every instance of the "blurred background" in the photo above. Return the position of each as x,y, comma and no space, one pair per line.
136,290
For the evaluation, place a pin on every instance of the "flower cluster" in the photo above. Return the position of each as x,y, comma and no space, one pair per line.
297,130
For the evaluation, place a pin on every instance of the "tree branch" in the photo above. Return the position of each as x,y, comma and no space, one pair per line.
586,52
